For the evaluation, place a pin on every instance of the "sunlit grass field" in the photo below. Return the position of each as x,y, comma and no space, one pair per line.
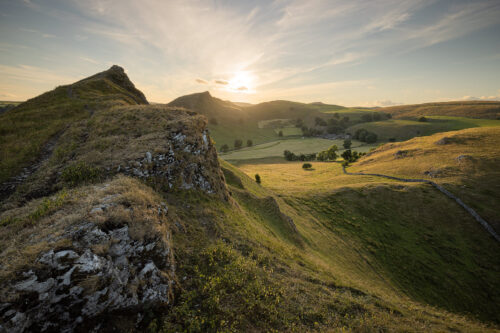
289,177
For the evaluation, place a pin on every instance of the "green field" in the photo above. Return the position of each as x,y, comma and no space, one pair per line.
226,134
296,145
406,129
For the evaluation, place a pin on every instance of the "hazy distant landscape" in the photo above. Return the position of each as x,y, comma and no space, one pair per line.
243,167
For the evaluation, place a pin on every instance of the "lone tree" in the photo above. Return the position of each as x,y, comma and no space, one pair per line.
306,166
257,178
238,143
280,133
249,143
224,148
347,144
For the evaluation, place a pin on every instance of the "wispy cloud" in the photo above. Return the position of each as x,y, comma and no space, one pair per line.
90,60
287,45
42,34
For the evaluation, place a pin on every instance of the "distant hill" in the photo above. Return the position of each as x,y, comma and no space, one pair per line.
472,109
215,109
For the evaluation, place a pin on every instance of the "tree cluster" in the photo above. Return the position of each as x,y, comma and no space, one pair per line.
289,156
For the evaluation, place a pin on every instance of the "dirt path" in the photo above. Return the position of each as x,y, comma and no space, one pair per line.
471,211
10,186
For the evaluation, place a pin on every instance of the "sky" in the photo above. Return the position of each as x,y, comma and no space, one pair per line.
352,53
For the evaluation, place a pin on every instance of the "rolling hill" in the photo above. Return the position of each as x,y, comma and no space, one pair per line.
127,220
471,109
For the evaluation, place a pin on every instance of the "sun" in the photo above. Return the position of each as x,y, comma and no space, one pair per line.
242,82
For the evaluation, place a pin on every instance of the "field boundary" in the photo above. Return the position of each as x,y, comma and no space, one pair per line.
450,195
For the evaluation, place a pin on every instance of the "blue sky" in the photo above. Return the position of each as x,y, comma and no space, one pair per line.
351,53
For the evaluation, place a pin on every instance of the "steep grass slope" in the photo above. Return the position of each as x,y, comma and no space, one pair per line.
464,162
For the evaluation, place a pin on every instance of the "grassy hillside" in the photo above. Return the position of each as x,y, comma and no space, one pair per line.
215,109
471,109
402,130
26,129
465,162
412,235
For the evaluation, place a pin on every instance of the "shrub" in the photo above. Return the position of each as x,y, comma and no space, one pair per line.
280,133
224,148
257,178
306,166
238,143
249,143
80,173
422,119
392,139
213,121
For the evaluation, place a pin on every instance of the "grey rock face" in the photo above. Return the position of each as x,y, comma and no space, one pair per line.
187,164
105,270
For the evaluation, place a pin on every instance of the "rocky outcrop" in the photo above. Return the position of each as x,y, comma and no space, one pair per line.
106,266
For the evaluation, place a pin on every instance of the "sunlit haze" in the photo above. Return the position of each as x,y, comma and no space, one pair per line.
353,53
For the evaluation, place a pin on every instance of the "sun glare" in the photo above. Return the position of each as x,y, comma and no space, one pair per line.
242,82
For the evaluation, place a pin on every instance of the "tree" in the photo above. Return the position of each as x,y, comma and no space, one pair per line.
346,155
422,119
280,133
224,148
376,117
299,123
370,137
257,178
347,144
306,166
331,153
336,115
213,121
238,143
249,143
